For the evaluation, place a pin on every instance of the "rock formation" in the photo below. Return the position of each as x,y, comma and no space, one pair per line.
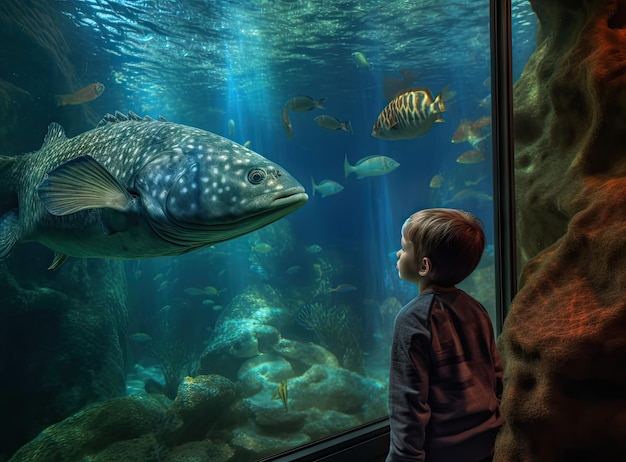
563,341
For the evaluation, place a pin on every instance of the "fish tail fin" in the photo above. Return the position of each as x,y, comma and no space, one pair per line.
313,186
444,96
318,103
347,127
347,168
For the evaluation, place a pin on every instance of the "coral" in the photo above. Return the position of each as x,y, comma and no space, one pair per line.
337,329
563,341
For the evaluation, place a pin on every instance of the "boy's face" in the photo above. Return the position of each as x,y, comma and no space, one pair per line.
408,268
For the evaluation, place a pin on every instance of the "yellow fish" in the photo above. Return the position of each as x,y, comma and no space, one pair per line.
84,95
332,123
361,61
261,247
475,156
412,113
436,181
301,103
281,392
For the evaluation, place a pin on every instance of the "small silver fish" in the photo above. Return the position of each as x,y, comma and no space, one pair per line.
412,113
361,61
332,123
301,103
370,166
326,187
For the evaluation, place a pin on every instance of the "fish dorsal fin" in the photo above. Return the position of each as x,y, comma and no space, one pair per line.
412,89
80,184
365,159
55,134
120,117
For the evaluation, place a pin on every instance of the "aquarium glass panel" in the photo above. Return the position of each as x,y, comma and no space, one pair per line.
169,292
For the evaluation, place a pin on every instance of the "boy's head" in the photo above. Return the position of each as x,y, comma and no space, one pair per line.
451,240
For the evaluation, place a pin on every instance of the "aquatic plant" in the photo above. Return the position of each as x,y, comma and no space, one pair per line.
337,329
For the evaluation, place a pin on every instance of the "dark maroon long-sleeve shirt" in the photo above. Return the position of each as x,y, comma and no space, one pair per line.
445,382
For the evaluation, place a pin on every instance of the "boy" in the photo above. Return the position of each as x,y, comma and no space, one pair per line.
445,381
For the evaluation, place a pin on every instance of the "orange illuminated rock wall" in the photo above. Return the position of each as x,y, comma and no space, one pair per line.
564,341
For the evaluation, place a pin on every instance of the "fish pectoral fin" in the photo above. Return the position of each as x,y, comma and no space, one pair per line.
57,261
9,232
80,184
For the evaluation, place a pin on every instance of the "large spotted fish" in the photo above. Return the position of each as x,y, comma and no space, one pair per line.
137,188
412,113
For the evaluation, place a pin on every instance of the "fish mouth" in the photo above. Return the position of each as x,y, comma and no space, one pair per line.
194,236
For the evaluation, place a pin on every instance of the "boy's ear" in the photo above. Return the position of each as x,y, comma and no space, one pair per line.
425,266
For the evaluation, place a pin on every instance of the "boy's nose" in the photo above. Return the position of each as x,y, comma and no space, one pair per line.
398,253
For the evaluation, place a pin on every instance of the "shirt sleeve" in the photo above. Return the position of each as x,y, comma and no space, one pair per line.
409,412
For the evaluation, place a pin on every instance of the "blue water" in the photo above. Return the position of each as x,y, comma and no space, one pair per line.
203,63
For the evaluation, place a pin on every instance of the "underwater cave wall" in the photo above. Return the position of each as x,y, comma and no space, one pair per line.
563,341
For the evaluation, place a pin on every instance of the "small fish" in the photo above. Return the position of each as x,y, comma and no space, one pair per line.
195,291
412,113
474,182
295,269
210,290
247,144
474,156
361,61
287,122
163,285
261,247
436,181
341,288
231,127
474,132
486,101
392,85
281,392
218,307
84,95
140,337
313,248
326,187
332,123
157,277
469,195
303,103
165,309
148,200
208,302
370,166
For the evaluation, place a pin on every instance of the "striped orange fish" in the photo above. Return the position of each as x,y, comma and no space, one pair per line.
412,113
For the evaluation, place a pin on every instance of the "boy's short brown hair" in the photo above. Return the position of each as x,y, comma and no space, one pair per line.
453,240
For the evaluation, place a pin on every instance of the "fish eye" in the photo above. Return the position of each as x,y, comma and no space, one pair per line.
256,175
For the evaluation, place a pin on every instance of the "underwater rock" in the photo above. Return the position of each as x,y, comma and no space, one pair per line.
319,424
64,334
199,451
256,445
337,389
135,450
308,354
262,370
248,326
199,403
277,420
563,343
93,429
